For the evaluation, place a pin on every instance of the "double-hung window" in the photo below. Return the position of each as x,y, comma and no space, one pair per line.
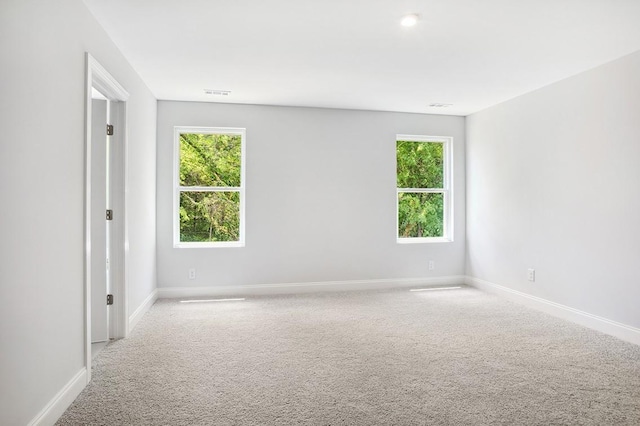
424,196
208,205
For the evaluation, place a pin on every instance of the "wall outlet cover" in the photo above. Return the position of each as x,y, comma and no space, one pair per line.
531,274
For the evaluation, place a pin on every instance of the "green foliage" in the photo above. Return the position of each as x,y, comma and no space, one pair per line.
215,161
420,165
210,160
420,214
209,216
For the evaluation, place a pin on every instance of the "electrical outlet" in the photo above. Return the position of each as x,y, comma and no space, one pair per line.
531,274
192,273
432,265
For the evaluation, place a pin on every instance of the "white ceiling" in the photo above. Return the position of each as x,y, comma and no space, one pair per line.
354,54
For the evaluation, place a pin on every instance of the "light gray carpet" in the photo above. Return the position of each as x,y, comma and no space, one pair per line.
362,358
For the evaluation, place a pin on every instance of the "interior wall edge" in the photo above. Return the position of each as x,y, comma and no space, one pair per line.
61,401
604,325
142,309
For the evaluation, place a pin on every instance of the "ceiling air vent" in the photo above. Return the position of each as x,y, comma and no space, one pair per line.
217,92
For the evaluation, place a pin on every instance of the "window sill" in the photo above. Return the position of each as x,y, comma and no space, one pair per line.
423,240
224,244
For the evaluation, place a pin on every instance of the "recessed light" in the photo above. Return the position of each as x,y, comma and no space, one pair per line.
410,20
440,105
217,92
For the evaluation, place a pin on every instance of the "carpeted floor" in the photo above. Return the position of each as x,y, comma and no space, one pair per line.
392,357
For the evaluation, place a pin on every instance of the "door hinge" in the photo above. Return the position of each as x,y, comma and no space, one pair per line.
109,214
109,129
109,299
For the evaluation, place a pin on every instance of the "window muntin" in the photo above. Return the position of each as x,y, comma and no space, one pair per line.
423,174
209,187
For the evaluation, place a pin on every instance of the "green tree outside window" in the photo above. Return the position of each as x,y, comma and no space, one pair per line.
209,187
420,170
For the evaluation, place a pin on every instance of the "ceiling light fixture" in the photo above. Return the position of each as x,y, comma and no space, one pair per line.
410,20
217,92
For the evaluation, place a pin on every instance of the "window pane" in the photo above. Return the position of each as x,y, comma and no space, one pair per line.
420,164
420,214
210,160
209,216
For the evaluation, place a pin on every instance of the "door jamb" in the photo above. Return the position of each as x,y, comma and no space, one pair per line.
97,76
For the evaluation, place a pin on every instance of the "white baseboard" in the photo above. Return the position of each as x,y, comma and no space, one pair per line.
604,325
309,287
63,399
142,309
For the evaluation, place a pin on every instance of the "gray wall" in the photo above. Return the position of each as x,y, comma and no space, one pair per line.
43,46
553,183
320,200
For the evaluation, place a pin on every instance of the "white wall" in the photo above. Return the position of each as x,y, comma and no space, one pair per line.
553,183
320,200
42,46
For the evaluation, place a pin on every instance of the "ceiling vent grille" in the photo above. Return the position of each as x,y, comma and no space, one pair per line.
217,92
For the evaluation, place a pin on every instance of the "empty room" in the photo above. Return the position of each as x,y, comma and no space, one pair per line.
320,212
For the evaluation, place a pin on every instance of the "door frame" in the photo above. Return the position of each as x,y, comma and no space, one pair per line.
97,76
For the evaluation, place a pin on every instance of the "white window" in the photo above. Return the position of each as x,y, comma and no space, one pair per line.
208,201
424,196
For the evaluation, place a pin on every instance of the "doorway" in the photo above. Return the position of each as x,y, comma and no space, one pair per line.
105,215
100,288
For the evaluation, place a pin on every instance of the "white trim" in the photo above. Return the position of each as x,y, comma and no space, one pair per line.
119,239
211,188
422,190
422,138
308,287
63,399
177,188
144,307
212,130
422,240
446,190
104,82
594,322
97,76
204,244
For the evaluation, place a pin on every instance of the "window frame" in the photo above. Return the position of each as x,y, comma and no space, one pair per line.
446,190
177,188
